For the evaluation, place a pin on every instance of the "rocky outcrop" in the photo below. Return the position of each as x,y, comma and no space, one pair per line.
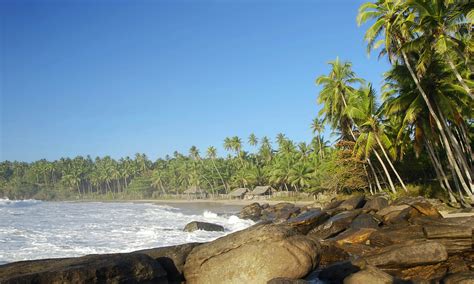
110,268
196,225
358,240
375,204
369,275
172,259
252,212
308,220
334,225
408,254
255,255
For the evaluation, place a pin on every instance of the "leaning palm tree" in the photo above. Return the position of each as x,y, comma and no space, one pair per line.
392,30
337,89
212,155
364,111
403,101
440,27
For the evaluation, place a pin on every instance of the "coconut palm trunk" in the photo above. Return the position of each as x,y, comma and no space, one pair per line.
390,162
353,137
377,182
439,124
392,187
443,180
220,176
459,78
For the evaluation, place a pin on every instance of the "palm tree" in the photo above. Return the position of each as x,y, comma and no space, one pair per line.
336,90
363,110
440,26
404,101
253,140
300,175
157,179
392,19
317,127
212,155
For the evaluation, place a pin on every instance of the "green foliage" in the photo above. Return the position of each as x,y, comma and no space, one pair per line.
422,131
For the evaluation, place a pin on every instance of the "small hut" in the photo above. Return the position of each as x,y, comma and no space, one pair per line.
194,192
238,193
263,192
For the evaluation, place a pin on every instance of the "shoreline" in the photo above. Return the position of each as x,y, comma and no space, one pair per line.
230,202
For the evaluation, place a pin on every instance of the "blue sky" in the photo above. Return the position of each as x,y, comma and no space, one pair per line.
120,77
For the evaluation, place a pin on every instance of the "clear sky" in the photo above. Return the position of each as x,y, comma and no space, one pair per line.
119,77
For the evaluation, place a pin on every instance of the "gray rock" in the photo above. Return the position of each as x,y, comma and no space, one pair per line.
365,220
196,225
107,268
255,255
172,259
283,280
334,225
408,254
376,204
369,275
252,211
308,220
460,278
353,203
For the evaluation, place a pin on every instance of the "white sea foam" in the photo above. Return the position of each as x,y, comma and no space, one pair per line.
31,229
24,202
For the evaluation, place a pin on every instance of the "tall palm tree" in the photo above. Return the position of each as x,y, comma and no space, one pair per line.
253,140
392,21
337,88
212,155
317,126
404,101
364,111
440,25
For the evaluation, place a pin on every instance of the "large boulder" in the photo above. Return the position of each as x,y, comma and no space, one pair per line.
460,278
284,280
280,212
308,220
252,211
369,275
396,234
365,220
172,259
107,268
255,255
196,225
337,272
375,204
408,254
353,236
352,203
334,225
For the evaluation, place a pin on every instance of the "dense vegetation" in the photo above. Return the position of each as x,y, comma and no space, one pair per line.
419,131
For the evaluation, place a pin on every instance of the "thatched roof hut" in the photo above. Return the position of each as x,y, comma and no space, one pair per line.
262,190
239,192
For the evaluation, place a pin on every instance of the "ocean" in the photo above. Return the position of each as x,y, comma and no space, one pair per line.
32,229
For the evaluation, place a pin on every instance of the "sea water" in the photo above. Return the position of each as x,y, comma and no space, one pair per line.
32,229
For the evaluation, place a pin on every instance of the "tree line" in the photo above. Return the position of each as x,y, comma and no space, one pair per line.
419,128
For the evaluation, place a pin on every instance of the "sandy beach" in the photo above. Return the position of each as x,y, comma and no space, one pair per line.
234,202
